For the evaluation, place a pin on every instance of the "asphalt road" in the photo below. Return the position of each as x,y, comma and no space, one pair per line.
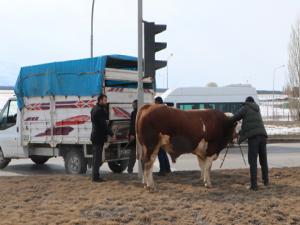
279,155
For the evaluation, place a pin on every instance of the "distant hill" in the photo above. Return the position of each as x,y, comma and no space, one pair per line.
6,88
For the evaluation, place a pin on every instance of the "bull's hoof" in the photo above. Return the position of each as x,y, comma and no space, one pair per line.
152,189
208,185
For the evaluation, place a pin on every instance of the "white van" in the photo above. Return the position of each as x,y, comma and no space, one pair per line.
227,98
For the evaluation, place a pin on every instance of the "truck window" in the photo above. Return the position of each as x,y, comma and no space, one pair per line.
171,104
8,115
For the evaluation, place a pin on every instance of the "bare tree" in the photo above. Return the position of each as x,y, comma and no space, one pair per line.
294,70
212,84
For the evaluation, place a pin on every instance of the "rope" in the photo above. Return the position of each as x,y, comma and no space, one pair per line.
226,155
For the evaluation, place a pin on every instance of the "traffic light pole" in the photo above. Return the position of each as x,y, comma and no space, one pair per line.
140,77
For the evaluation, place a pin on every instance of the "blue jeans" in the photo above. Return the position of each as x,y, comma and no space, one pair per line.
164,165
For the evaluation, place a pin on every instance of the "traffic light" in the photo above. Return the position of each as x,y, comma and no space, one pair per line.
151,47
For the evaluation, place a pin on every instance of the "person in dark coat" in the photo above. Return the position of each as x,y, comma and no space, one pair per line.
164,164
100,131
254,130
132,138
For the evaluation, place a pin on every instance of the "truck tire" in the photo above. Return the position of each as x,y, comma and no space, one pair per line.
3,161
39,160
118,166
75,163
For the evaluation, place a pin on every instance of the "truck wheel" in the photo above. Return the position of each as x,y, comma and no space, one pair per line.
118,166
39,160
75,163
3,161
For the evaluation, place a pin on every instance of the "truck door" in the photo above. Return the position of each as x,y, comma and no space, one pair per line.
8,129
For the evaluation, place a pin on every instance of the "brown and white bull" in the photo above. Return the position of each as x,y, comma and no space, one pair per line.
201,132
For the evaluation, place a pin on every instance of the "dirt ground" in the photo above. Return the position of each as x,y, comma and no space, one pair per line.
180,199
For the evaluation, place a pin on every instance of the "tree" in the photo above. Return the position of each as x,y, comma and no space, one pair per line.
294,69
212,84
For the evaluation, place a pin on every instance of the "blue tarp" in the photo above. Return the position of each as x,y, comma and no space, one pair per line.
81,77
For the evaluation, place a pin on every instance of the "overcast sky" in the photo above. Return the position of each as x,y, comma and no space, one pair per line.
232,41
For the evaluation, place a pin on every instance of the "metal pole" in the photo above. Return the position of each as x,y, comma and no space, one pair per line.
92,27
168,74
273,94
299,99
140,76
274,73
168,69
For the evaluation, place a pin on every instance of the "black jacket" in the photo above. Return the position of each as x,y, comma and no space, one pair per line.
252,124
132,122
100,130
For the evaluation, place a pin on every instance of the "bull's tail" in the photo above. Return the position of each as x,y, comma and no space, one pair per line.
141,151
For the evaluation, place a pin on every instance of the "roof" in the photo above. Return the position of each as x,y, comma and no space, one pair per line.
230,93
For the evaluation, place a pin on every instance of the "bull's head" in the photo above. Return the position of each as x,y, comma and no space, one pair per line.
235,132
235,127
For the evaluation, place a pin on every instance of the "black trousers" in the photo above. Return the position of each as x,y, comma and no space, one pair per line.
132,157
97,160
257,147
164,164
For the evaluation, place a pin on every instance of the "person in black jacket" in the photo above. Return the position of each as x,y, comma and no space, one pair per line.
132,138
254,130
164,164
100,131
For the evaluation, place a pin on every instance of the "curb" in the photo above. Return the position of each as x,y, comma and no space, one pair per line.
283,140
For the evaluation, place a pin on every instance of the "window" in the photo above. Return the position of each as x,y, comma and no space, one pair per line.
187,106
210,106
235,107
224,106
171,104
8,115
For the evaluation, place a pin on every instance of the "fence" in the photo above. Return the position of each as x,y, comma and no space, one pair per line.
279,111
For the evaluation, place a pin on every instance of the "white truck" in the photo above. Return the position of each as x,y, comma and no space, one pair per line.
50,115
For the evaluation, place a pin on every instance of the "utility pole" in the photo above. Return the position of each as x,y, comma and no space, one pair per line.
274,73
92,28
140,77
168,69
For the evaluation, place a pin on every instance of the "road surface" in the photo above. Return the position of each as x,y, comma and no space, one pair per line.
279,155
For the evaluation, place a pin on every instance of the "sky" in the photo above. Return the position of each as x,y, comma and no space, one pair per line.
226,42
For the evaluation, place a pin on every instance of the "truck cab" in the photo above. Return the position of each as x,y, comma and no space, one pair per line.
9,137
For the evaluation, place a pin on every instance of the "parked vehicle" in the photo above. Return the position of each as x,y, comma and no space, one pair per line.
226,99
50,115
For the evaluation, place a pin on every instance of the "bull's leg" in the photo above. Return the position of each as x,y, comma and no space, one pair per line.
207,168
146,172
145,168
148,168
201,165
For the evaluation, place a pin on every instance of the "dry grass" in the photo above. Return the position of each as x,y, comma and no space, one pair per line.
181,199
